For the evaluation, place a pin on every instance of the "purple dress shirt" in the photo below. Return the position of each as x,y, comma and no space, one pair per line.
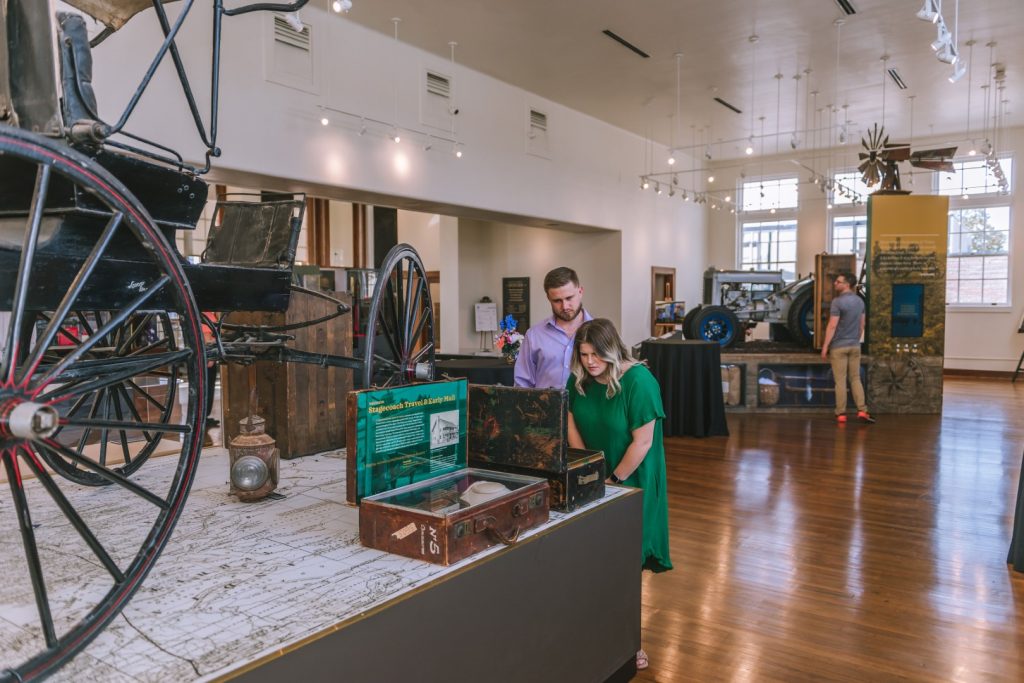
544,356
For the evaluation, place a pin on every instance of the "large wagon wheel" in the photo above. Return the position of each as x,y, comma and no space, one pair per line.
399,346
144,398
87,550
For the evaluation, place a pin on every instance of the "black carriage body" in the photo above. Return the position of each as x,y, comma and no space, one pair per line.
175,201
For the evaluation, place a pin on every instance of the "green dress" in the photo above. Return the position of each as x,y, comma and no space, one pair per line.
607,424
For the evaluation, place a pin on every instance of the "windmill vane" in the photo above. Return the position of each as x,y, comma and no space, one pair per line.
878,165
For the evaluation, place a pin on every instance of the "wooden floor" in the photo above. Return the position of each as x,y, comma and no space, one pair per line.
806,551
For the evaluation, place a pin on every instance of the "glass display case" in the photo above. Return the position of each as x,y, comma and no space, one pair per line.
450,517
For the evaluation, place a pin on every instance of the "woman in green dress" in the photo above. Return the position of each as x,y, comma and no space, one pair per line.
615,406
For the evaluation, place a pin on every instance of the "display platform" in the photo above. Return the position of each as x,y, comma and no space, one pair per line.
786,382
276,589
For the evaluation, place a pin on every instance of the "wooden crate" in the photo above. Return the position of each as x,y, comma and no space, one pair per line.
304,404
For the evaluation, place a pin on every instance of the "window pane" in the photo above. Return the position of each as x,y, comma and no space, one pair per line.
970,291
851,180
951,292
765,194
975,177
994,291
996,267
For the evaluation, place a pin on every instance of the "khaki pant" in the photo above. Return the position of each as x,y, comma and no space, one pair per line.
846,362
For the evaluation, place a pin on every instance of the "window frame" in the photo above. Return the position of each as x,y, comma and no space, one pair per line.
982,200
780,215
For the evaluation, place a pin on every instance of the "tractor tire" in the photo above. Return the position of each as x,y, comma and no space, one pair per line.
799,319
717,324
688,330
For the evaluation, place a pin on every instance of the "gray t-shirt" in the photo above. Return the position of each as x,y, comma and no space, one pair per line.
849,308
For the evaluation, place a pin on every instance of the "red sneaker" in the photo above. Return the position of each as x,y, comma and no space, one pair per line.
864,416
841,419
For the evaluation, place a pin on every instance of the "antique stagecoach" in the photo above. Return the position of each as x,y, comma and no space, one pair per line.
104,358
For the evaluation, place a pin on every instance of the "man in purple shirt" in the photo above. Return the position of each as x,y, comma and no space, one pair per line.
546,350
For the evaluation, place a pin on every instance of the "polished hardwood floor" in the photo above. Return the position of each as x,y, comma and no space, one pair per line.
807,551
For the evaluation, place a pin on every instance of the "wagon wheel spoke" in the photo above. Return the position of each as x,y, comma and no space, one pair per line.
28,537
115,320
72,515
77,285
21,287
116,400
123,424
98,374
135,412
57,449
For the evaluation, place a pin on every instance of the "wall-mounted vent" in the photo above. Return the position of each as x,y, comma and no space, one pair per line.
284,33
437,105
847,8
288,58
537,133
439,85
538,121
897,79
727,105
625,43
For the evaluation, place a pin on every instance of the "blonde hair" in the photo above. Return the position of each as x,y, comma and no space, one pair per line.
602,335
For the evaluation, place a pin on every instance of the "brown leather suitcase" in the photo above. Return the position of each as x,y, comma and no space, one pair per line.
438,520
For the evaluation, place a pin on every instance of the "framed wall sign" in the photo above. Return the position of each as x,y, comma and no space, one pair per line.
515,300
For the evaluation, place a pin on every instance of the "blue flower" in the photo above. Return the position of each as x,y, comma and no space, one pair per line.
508,323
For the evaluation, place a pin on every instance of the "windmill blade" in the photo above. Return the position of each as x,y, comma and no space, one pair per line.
934,159
896,153
862,156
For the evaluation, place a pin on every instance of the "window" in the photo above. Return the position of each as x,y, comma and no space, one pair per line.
770,245
850,235
769,194
975,177
853,183
978,260
768,226
977,266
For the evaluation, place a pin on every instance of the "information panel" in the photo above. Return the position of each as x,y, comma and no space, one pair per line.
515,300
402,435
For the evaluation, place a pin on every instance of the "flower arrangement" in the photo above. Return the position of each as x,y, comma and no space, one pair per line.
508,341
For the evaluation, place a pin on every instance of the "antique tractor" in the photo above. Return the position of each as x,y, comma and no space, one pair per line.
735,300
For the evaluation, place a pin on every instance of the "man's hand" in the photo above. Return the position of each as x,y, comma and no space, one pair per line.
824,353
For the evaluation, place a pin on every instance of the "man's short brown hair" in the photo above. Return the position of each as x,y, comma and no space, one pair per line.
560,277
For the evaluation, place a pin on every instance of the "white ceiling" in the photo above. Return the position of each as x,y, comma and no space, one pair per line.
556,49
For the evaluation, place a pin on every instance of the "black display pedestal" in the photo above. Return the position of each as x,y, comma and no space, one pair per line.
562,605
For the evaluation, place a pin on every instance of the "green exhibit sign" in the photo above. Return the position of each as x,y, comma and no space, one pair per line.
406,434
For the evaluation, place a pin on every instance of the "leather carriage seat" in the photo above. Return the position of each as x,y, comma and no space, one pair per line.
79,98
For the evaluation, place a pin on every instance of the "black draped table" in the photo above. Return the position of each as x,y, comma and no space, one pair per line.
690,375
477,370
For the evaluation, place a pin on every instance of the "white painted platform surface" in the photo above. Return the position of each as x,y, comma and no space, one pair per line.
236,582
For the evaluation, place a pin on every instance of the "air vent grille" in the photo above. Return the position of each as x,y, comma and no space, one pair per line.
439,85
897,79
284,33
538,121
846,7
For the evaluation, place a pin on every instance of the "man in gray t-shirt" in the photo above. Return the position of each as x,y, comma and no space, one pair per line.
845,328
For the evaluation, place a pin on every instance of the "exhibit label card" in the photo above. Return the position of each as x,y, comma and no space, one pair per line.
407,434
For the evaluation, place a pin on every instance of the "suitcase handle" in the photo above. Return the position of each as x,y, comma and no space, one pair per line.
502,538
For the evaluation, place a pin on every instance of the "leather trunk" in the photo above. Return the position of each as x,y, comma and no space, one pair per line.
521,430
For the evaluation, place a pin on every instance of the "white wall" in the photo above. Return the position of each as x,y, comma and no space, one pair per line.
590,179
976,338
490,251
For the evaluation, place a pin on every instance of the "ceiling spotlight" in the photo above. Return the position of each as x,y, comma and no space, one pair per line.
714,206
711,178
829,206
671,158
958,71
929,12
396,138
675,179
972,152
458,154
749,150
707,152
947,55
944,38
644,184
671,191
324,121
732,210
965,196
772,211
340,6
657,188
686,197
